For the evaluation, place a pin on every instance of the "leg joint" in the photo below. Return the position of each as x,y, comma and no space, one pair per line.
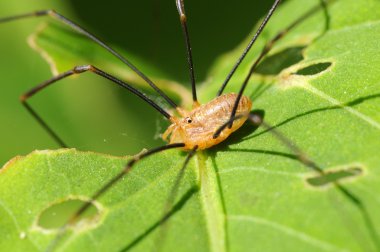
23,98
44,12
83,68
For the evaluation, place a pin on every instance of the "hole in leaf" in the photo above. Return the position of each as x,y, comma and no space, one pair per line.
57,215
334,176
275,63
314,69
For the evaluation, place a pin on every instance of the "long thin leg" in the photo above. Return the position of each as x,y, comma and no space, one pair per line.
127,168
45,126
257,120
79,70
250,44
173,192
265,51
171,198
78,28
182,15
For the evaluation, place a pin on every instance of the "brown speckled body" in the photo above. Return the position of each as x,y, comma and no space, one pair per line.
198,126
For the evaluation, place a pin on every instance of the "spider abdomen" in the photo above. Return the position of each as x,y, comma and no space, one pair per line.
199,125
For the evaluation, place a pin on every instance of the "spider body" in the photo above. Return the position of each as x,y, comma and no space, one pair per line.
198,126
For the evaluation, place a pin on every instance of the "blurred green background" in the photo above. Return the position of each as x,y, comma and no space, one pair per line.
85,111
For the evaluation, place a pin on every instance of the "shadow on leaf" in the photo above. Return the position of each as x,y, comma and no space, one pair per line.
177,207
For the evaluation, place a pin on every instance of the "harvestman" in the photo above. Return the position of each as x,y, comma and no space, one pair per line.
201,128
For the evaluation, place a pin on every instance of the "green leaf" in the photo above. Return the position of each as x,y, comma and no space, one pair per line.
249,193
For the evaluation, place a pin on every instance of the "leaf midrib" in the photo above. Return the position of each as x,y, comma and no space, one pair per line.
211,202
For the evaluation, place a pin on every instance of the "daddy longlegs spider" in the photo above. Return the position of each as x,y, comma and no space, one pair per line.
205,126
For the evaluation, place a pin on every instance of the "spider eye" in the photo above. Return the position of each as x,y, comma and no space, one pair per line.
189,120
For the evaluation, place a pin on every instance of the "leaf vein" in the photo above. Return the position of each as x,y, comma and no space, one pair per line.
335,102
287,230
260,169
9,212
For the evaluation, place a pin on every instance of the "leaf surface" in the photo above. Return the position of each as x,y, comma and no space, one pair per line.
249,193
